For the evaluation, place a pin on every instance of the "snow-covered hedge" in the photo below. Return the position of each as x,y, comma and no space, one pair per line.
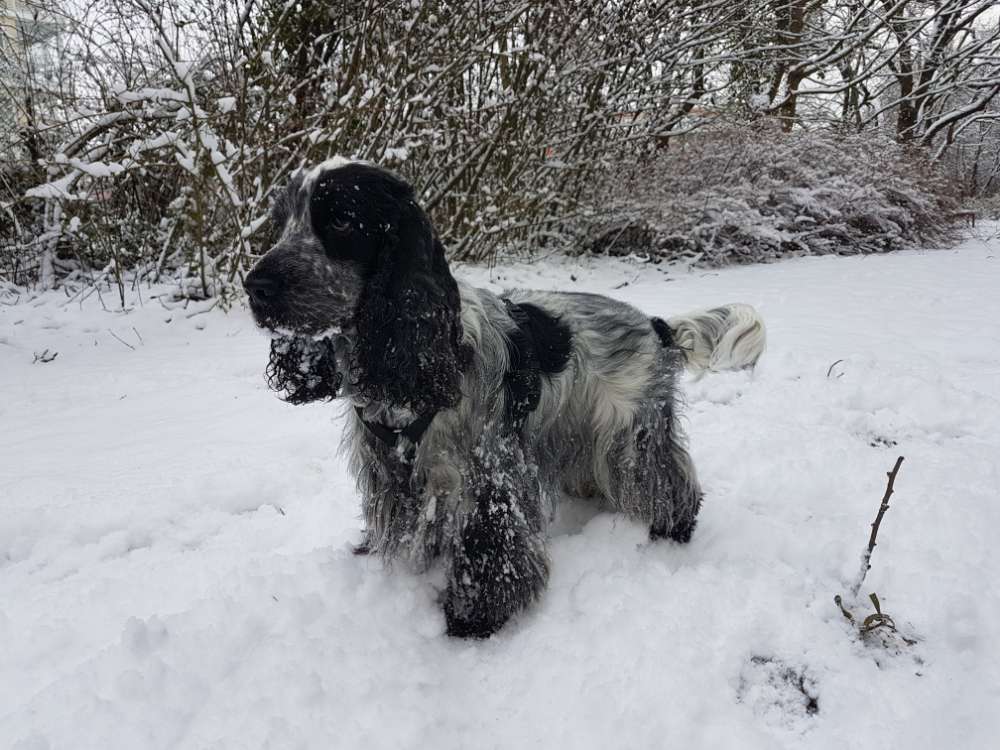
173,127
500,116
751,195
713,198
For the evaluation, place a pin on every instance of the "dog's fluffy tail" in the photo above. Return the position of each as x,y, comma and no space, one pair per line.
729,337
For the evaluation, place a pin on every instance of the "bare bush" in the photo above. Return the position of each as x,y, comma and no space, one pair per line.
741,195
159,138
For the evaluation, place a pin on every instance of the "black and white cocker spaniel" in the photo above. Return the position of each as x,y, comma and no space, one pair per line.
474,412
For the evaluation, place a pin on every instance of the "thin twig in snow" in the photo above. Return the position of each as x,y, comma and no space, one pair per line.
121,339
203,311
867,556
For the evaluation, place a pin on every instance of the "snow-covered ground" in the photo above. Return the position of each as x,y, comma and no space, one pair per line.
174,541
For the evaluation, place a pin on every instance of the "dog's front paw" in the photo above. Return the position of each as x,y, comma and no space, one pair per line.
471,623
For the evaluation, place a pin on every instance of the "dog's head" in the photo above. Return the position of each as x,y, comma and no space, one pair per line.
356,263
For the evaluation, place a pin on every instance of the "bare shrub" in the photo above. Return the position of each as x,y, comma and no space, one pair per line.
156,139
499,113
740,196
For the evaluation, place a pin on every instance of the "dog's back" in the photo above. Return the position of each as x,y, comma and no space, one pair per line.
614,394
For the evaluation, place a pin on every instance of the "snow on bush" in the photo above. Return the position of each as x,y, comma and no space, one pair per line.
753,195
499,116
512,121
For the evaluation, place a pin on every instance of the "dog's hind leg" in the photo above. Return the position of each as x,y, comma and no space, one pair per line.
660,484
498,563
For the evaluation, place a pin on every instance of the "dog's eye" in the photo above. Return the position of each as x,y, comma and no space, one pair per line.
340,226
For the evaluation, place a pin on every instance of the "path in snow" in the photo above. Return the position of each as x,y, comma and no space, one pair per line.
174,542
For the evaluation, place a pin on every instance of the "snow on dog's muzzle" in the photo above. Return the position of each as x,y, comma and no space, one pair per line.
303,368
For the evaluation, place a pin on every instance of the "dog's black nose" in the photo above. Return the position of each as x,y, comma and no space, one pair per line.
261,288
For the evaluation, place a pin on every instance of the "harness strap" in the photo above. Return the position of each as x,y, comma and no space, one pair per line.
390,435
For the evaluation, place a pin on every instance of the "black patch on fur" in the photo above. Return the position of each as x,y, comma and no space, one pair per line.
523,382
351,208
550,337
303,369
664,331
539,345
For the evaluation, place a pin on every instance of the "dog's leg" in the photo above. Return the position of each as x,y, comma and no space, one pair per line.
499,566
664,483
498,563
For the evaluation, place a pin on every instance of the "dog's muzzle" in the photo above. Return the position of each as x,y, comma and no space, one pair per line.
264,291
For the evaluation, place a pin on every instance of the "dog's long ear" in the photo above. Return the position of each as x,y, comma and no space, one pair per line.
409,345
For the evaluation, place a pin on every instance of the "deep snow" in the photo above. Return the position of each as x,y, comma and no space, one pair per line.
174,542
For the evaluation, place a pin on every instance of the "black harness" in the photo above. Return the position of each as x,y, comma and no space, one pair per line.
390,435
